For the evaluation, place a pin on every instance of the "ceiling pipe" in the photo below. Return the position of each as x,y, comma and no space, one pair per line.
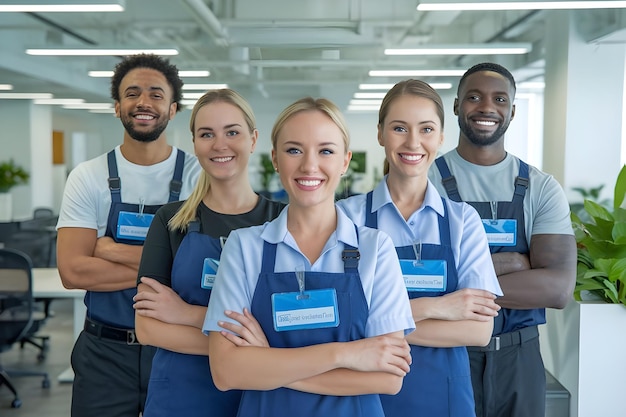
208,21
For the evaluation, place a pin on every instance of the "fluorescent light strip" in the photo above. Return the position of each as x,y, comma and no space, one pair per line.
59,101
370,95
363,108
100,74
204,86
375,86
458,51
416,73
519,5
109,74
25,96
99,52
193,73
41,8
386,87
6,87
88,106
192,96
106,111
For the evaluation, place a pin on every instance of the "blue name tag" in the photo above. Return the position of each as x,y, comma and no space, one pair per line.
133,226
501,232
209,270
425,275
313,309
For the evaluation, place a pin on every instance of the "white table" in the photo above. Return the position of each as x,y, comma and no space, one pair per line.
47,284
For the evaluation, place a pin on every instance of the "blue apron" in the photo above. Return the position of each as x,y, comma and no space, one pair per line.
507,320
439,383
115,308
193,393
353,313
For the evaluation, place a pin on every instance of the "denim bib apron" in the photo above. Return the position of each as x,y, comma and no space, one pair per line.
508,320
439,383
193,394
115,308
353,313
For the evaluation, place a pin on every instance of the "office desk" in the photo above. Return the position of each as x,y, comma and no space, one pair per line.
47,284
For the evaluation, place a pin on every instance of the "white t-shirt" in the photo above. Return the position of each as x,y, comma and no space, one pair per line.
87,198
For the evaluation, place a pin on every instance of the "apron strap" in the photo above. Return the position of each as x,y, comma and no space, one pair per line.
115,184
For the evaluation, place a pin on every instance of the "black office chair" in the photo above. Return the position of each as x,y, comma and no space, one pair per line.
17,315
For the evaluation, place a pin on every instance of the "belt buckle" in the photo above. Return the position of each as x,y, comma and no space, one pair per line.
131,338
496,339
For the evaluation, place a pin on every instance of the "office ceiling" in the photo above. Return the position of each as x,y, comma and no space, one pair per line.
275,49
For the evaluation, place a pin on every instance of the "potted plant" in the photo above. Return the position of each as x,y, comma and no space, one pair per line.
581,344
11,175
601,241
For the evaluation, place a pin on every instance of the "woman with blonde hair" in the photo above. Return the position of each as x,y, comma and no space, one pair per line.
181,256
328,295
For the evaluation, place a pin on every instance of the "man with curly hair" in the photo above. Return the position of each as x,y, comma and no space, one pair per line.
107,207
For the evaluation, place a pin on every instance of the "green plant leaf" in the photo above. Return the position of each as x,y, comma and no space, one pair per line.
619,233
620,188
601,230
597,211
601,245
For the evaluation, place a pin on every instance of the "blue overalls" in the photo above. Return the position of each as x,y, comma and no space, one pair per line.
115,308
511,327
439,383
181,384
507,320
353,313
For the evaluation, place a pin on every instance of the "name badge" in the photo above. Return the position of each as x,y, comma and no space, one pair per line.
424,275
313,309
133,226
209,271
501,232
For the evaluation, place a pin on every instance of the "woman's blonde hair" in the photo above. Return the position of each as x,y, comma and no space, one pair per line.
307,104
187,212
416,88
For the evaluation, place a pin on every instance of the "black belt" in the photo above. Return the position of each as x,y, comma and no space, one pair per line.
107,332
504,340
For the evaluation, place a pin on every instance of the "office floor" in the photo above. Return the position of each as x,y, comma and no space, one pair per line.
37,401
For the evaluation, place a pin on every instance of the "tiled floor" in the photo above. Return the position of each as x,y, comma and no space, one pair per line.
37,401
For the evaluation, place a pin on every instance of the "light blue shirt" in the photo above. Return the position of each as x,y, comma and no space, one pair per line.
379,269
468,238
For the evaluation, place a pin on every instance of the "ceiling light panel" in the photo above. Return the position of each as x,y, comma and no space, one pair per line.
52,6
99,52
416,73
451,5
476,49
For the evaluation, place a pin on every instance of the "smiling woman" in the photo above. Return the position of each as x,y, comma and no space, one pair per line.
305,281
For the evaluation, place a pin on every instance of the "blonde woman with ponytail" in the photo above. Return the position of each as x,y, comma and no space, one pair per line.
181,255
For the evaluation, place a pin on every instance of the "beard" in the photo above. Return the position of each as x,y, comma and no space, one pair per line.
482,139
143,136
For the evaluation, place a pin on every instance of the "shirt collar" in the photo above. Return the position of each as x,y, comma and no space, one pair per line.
382,197
276,231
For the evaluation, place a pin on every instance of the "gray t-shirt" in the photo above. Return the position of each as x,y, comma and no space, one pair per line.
546,210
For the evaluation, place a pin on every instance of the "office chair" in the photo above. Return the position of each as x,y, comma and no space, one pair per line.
17,315
43,212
